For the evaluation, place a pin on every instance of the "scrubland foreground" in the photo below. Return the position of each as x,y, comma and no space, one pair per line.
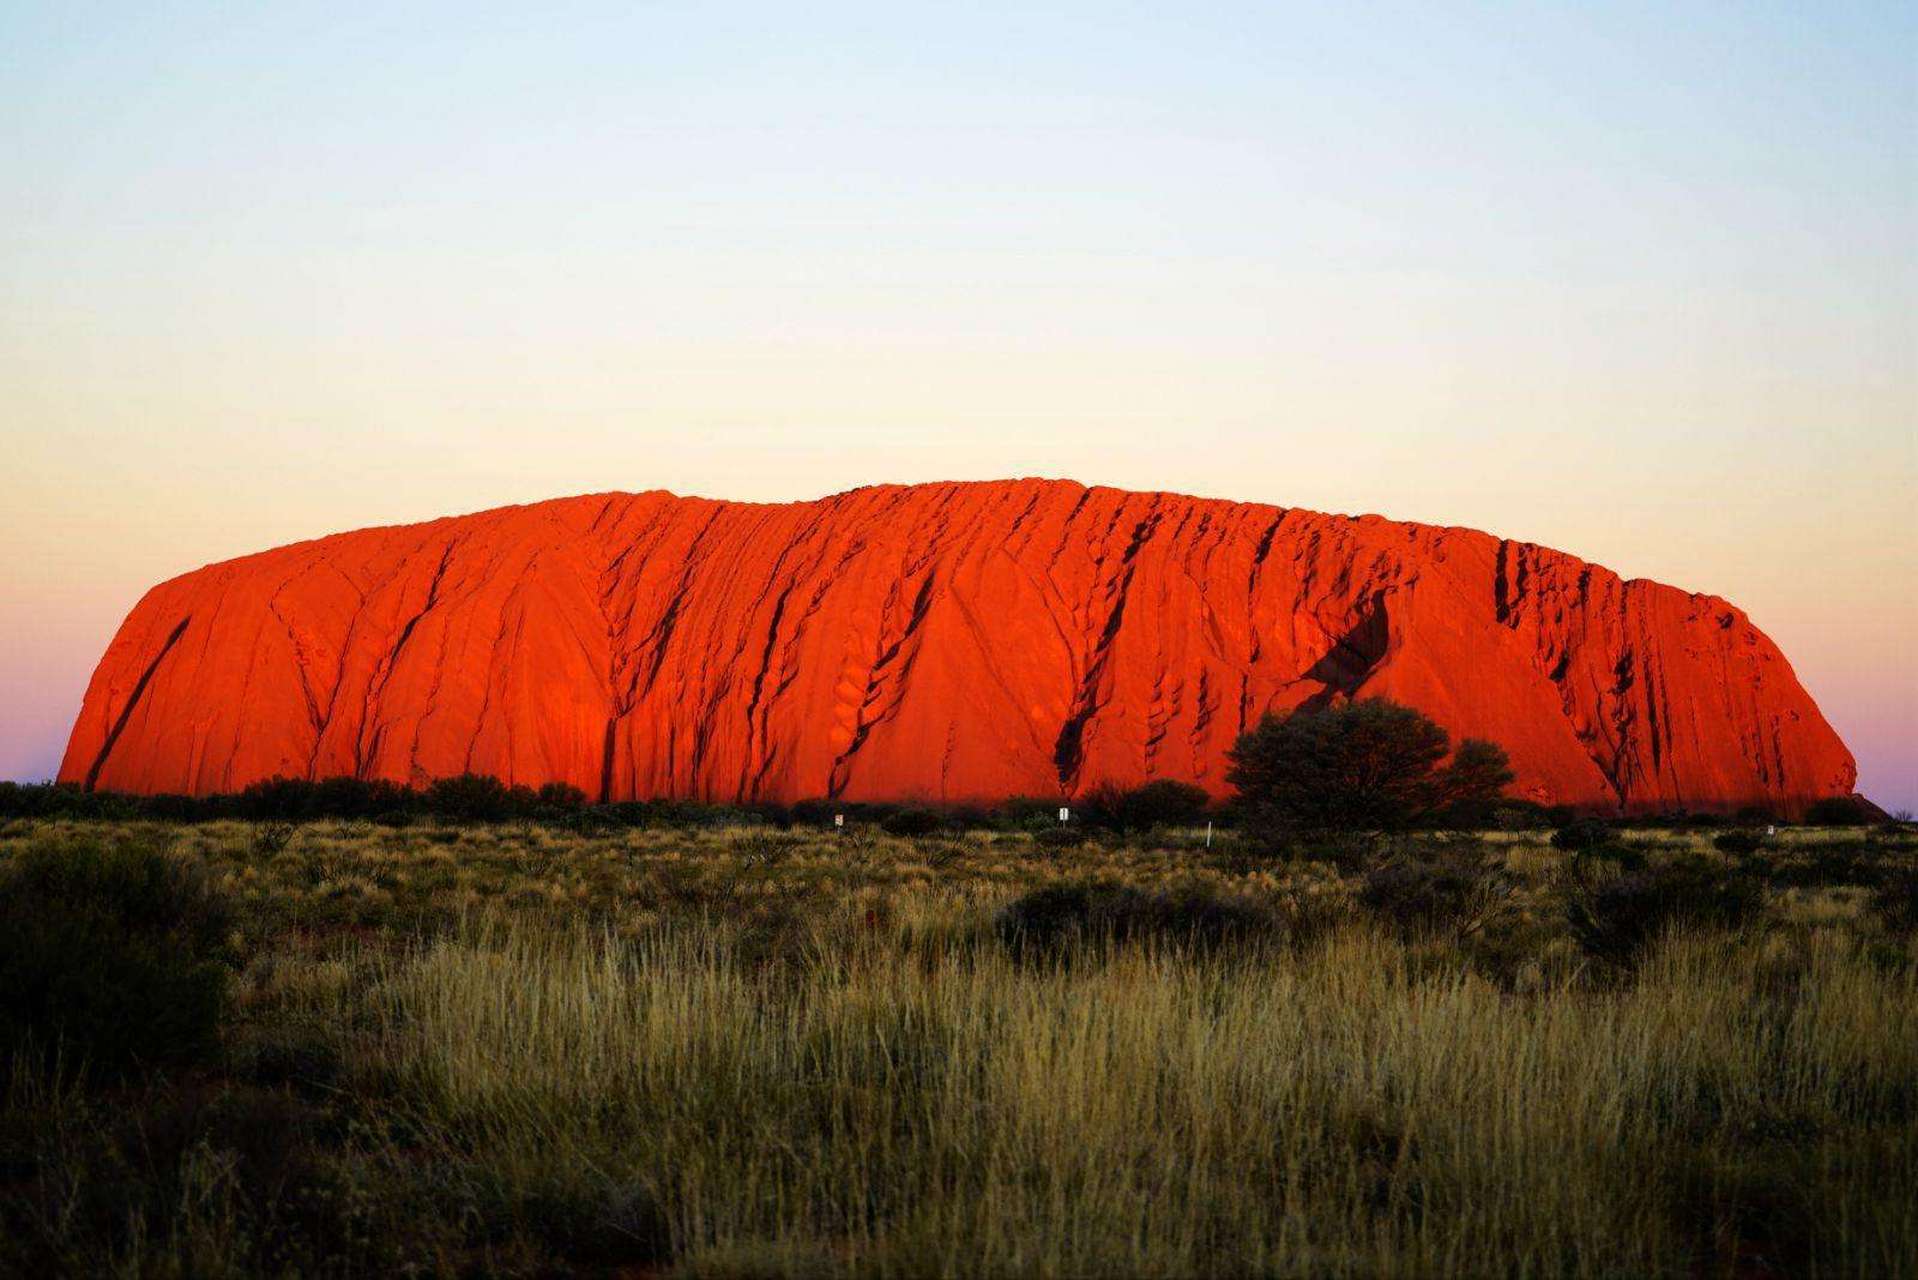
513,1051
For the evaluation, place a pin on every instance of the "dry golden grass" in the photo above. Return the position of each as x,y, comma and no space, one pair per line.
1151,1111
734,1053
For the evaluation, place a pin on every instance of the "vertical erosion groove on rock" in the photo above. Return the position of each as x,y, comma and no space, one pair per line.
939,642
132,701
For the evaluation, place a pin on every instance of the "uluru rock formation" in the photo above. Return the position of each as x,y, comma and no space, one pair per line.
941,642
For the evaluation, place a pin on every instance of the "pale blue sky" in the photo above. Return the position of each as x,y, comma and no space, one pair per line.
1635,281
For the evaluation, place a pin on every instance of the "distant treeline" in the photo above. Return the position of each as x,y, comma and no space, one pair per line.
478,798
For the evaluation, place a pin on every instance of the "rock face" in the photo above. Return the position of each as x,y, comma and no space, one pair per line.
939,642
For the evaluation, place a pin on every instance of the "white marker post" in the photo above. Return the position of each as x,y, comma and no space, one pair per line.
1065,815
1208,835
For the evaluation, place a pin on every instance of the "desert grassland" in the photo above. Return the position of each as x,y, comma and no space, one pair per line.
516,1050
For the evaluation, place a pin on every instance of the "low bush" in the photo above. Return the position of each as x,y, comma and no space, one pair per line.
1060,836
766,849
1684,820
913,822
1527,815
70,800
621,813
1162,803
1839,811
1416,897
1583,835
271,837
1349,851
1026,813
1615,920
200,1180
820,812
1740,844
1896,900
1819,868
114,958
474,797
1166,803
467,798
1049,921
177,808
560,797
300,800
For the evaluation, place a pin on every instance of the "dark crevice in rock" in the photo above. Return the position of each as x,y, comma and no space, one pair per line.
133,700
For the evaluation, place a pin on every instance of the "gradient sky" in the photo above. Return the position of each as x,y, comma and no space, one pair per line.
1637,282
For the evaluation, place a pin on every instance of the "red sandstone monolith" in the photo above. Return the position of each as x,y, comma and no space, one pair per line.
940,642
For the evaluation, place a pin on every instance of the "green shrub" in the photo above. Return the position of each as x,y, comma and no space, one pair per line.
621,813
1818,868
1027,813
1614,921
1162,803
1360,766
1527,815
913,822
1471,786
1051,921
1583,835
297,799
206,1180
1416,897
114,957
1060,836
345,797
59,800
1369,765
560,795
272,837
1896,900
474,797
766,849
177,808
1838,811
1740,844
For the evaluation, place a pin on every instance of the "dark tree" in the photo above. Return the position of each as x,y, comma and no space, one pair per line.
1472,783
1361,766
473,797
561,796
1165,802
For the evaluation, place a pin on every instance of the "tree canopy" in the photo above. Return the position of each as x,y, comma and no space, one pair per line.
1372,765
